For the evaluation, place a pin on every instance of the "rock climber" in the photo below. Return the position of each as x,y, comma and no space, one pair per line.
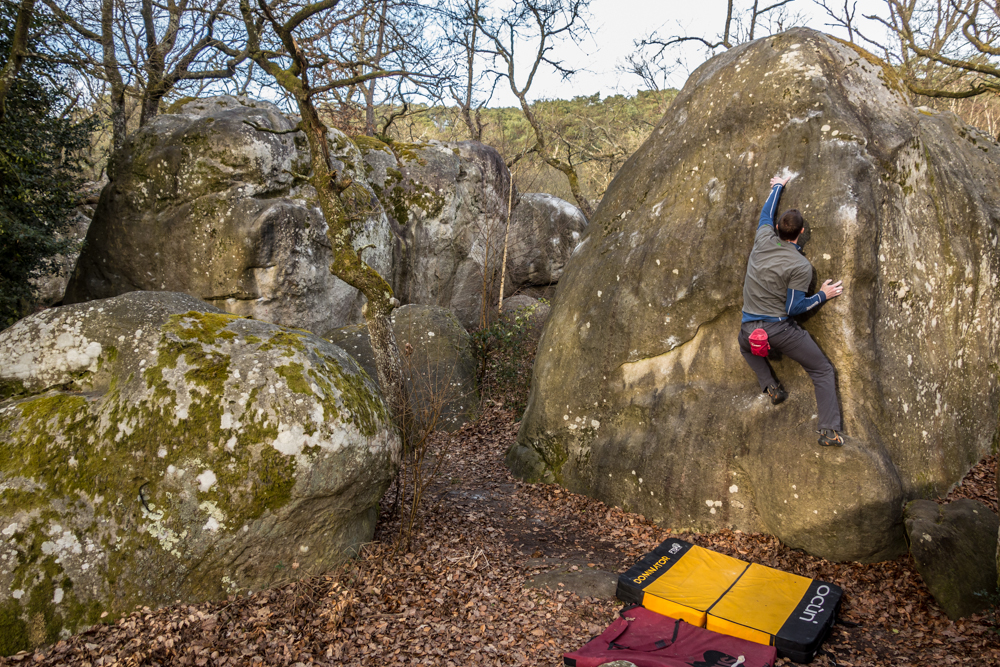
774,291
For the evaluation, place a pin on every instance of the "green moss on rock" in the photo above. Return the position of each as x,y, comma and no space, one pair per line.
13,629
11,388
294,376
367,144
155,479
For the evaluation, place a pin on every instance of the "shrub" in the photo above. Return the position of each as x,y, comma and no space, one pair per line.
505,352
39,174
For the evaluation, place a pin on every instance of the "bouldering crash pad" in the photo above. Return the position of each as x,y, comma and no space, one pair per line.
732,597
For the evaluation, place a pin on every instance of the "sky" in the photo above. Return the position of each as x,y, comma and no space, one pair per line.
616,24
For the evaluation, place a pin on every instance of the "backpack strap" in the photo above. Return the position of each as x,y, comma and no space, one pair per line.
651,646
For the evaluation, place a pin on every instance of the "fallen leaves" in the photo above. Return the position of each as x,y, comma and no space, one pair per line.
458,597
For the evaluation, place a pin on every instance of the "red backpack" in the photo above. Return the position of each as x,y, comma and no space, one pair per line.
648,639
758,343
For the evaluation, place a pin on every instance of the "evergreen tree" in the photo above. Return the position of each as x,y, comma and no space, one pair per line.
39,172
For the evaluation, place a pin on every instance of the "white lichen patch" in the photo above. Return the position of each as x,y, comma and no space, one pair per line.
206,480
216,517
49,349
167,538
292,440
793,62
63,545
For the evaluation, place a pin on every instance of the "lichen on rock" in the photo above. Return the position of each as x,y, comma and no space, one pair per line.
223,178
903,205
198,454
437,362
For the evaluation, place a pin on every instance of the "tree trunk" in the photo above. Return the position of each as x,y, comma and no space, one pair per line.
388,364
18,52
475,130
119,119
574,185
540,147
370,88
150,105
119,124
345,204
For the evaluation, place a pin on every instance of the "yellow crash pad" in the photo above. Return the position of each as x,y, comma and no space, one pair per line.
733,597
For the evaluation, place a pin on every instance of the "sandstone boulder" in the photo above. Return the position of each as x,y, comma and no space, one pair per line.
448,203
439,366
640,396
544,232
154,448
208,202
953,549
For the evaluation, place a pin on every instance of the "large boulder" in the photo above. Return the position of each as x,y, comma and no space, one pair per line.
209,202
544,232
952,547
154,448
437,359
448,203
640,396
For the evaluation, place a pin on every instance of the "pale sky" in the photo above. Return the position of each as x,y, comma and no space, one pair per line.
617,23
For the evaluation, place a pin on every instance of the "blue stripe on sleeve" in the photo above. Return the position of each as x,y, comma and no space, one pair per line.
770,206
797,302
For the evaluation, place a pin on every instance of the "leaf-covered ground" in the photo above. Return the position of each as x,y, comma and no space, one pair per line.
458,597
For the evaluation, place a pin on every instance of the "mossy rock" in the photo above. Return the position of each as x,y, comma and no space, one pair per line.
212,200
954,549
158,449
437,358
544,232
448,203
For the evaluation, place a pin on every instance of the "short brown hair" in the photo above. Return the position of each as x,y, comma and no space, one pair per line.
790,225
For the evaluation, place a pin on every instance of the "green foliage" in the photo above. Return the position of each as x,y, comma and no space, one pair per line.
39,175
596,134
505,352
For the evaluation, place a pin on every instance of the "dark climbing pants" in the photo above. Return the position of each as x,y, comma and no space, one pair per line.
795,343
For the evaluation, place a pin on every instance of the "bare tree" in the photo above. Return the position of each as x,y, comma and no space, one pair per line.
465,40
282,40
148,49
543,23
18,51
842,17
392,35
655,59
946,48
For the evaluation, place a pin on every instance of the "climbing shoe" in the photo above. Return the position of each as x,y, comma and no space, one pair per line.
830,438
776,393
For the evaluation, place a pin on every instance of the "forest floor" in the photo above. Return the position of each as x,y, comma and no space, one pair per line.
466,592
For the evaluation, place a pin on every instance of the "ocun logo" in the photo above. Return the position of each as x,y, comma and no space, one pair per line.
652,570
815,605
674,548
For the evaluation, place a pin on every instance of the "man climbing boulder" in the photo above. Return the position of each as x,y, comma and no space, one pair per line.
639,395
774,291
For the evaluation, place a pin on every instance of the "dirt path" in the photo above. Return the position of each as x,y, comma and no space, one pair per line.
463,594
